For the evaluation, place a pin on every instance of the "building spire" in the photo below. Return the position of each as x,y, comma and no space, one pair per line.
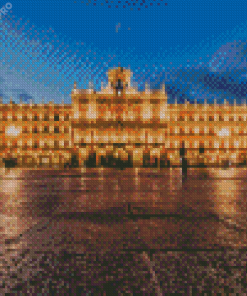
90,84
163,89
75,86
147,88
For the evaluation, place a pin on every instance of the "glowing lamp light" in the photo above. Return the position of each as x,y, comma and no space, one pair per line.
162,114
13,131
224,132
76,115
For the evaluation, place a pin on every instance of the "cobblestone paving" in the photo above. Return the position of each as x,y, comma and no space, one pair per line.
40,261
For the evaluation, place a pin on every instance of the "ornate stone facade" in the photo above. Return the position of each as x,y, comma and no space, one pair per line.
119,122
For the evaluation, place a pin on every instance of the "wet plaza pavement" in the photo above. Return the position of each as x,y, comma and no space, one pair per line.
132,231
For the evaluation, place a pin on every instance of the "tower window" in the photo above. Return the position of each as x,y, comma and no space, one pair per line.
56,117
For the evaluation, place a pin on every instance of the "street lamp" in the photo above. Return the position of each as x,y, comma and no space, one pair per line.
224,132
13,131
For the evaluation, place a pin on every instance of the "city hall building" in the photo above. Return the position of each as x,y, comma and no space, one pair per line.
119,125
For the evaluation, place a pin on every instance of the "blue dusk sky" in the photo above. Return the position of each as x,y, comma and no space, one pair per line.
197,48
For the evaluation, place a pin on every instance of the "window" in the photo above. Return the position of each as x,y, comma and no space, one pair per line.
46,129
35,145
211,118
25,129
66,117
56,117
46,117
56,129
66,130
24,117
201,148
35,118
35,130
66,144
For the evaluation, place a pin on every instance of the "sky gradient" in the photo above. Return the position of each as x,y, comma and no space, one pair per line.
197,48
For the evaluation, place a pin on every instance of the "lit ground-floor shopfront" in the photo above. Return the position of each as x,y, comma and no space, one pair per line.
119,155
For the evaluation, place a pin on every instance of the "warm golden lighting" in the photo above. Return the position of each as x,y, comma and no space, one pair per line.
92,114
77,115
13,131
224,132
135,118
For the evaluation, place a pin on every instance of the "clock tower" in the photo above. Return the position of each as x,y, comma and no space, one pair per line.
119,80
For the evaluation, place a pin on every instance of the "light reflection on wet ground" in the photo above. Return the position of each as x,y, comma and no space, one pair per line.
28,196
109,210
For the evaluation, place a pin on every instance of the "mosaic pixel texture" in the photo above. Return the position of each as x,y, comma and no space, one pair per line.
123,147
